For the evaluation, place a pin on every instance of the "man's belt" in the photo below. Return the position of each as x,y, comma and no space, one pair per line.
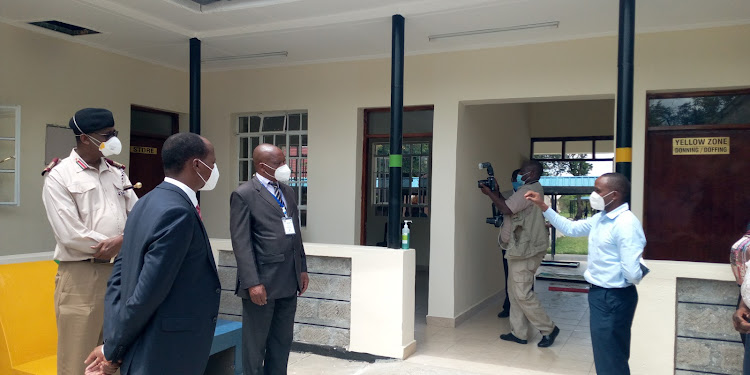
95,260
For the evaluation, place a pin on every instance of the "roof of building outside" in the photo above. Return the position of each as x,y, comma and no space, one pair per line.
577,181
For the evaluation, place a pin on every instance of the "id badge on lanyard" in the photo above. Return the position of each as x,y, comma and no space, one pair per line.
286,221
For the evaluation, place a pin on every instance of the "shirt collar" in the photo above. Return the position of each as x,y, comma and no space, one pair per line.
190,192
263,180
617,211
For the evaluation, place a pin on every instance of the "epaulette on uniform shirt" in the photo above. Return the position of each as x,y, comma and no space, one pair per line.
115,164
51,165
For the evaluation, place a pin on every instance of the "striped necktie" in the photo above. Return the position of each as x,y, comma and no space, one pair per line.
276,190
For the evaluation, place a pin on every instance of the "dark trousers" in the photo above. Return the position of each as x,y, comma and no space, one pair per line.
267,333
742,335
611,317
746,361
506,303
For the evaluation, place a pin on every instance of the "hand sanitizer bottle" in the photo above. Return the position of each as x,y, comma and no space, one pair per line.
405,235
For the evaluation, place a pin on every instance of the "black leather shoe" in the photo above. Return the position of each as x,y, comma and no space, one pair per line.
513,338
503,314
548,340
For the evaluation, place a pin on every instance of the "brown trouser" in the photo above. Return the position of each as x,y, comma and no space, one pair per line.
525,307
79,309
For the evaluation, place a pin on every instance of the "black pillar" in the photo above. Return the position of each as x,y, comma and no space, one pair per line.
397,114
195,85
626,38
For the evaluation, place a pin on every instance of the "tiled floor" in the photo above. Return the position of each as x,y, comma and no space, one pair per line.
474,347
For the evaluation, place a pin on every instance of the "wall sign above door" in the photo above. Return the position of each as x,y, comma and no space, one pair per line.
143,150
700,146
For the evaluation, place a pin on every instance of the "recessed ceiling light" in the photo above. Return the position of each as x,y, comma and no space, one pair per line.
553,24
243,57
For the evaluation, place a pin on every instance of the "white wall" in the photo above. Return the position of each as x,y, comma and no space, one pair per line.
498,133
51,79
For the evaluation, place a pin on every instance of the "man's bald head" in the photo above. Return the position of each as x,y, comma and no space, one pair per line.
266,152
266,158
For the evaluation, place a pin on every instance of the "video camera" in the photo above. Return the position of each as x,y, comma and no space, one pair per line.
497,216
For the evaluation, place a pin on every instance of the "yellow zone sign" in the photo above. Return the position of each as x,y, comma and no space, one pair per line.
700,146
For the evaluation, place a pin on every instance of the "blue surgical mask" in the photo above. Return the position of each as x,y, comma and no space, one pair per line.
519,177
517,185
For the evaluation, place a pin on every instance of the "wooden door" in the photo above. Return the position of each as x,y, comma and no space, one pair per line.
696,206
149,128
145,162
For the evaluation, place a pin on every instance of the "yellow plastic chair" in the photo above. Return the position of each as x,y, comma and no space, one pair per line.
28,331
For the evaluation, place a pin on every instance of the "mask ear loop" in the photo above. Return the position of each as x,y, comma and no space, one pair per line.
89,137
607,204
76,124
269,167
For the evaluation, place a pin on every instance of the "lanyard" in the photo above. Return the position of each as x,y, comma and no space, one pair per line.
281,204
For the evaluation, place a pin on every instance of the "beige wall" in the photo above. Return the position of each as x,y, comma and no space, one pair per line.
51,79
334,93
578,118
498,133
685,61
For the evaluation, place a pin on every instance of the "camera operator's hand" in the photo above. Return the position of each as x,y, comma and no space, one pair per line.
537,199
487,191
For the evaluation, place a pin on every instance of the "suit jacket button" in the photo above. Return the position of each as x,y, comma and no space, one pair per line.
214,319
218,290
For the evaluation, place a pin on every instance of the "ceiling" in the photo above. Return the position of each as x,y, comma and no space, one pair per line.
335,30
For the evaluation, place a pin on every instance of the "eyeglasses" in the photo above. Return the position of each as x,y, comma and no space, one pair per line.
109,135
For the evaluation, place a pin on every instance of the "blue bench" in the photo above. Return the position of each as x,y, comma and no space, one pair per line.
228,334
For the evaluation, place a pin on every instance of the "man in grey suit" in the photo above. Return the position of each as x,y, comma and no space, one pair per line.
271,265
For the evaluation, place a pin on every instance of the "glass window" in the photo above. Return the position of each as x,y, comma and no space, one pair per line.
10,153
604,149
573,149
415,175
714,109
288,131
547,150
151,123
414,122
583,156
273,124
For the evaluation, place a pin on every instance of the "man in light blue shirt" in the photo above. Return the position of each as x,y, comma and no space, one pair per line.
616,243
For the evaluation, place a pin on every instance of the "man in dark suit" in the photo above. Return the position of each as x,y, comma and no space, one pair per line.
271,265
163,296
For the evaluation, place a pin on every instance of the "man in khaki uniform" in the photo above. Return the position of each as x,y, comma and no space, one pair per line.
87,199
525,239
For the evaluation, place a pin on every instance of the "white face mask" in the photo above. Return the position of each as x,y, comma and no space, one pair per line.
597,201
212,179
112,146
282,173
